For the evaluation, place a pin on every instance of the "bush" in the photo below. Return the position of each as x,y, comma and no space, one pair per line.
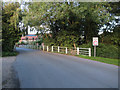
4,54
33,43
103,50
18,43
110,51
24,43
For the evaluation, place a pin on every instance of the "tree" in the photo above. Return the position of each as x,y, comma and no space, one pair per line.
11,16
68,22
112,31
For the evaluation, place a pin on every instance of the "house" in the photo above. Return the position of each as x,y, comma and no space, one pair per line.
28,38
32,34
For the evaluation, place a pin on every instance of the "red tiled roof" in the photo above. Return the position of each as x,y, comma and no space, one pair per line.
29,37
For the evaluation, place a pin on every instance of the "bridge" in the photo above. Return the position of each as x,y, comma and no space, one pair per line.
41,69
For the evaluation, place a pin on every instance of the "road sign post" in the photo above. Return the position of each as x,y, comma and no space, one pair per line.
94,51
95,43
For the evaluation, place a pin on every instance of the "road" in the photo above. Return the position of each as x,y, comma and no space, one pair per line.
38,69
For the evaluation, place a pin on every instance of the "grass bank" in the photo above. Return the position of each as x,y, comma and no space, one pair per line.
101,59
5,54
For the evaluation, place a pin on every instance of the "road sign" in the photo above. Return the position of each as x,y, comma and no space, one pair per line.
95,41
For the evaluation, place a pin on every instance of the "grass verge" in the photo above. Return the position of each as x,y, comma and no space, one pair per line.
5,54
101,59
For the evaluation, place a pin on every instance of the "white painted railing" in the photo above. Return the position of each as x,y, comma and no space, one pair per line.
84,51
65,50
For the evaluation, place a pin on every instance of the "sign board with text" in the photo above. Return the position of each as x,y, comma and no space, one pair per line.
95,41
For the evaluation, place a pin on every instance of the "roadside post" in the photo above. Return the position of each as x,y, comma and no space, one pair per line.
77,50
66,50
47,48
58,49
95,43
52,48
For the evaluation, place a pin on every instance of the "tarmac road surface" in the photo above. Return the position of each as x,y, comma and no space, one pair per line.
38,69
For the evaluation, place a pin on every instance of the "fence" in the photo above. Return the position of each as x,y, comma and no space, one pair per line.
58,49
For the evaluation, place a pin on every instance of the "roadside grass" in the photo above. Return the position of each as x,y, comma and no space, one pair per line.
101,59
14,53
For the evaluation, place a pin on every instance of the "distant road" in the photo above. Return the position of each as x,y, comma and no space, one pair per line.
38,69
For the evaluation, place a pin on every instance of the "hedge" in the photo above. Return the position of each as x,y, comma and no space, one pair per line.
104,50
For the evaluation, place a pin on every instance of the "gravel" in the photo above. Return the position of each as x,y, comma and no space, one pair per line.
9,75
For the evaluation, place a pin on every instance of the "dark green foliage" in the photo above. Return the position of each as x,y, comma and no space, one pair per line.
111,37
68,22
115,6
115,37
104,50
107,51
18,43
23,43
39,42
11,15
48,41
14,53
33,42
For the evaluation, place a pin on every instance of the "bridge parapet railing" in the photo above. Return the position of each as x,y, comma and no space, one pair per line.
59,49
69,50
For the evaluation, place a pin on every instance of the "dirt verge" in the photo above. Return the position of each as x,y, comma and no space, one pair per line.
9,75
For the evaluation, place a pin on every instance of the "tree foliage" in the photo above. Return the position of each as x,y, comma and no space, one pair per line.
114,36
71,23
11,15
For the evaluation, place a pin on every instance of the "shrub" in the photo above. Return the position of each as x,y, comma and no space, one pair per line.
9,54
18,43
24,43
103,50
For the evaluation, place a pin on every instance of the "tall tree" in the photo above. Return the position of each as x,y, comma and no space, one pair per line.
11,15
69,20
